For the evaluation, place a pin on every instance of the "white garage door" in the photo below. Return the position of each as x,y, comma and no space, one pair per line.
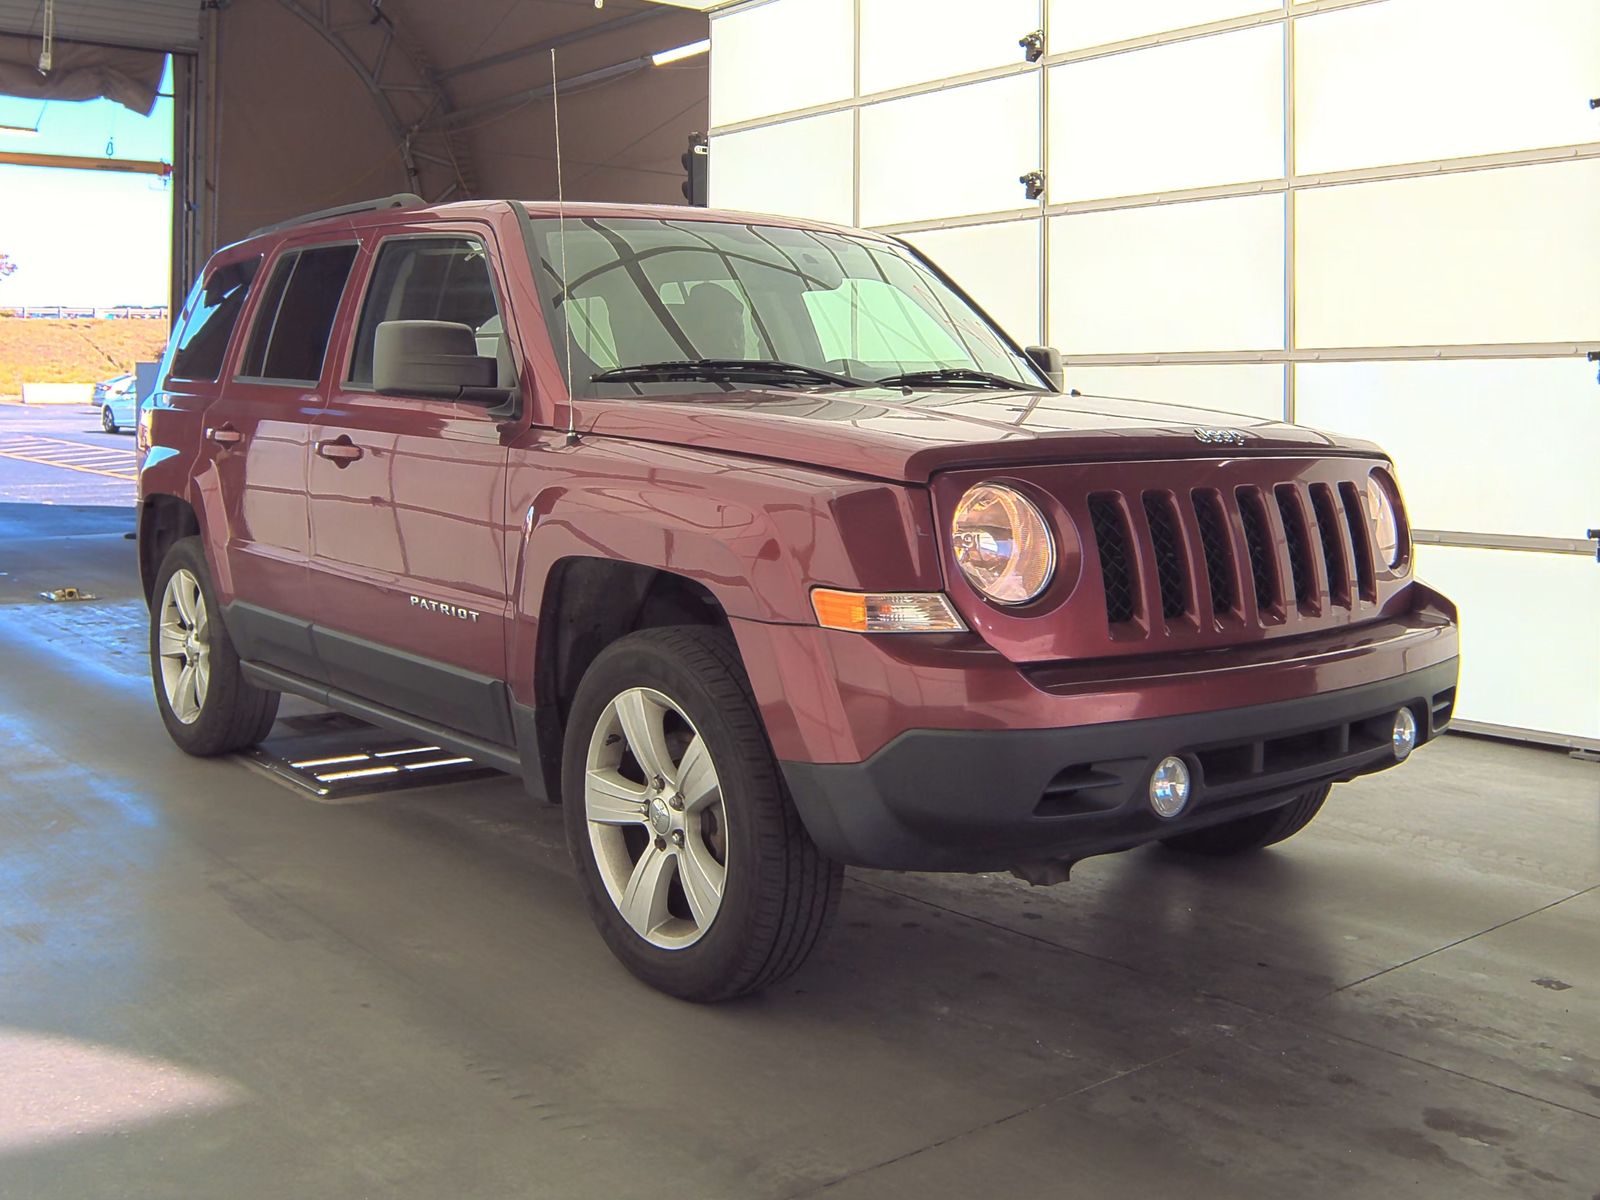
1375,216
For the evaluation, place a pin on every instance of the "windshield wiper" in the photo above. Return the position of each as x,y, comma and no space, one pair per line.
960,376
724,368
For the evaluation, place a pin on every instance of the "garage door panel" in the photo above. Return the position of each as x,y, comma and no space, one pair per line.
1195,276
905,42
1481,257
1417,80
997,265
782,56
952,153
1076,24
1218,392
1503,447
1530,641
1194,113
775,169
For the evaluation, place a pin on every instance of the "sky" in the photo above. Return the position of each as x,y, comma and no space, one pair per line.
86,238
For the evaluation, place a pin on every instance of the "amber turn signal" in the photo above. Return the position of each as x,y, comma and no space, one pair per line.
885,612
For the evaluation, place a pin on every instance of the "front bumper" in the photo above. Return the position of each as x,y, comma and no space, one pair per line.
991,799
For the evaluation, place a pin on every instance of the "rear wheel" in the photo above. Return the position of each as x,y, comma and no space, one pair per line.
206,703
691,856
1254,832
107,421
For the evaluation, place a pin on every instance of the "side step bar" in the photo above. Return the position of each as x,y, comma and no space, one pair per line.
502,758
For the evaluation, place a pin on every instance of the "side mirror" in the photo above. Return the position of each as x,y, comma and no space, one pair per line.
1048,360
437,360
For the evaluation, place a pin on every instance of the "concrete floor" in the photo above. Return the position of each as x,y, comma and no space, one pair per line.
210,985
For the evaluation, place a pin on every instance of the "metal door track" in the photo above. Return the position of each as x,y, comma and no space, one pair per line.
338,758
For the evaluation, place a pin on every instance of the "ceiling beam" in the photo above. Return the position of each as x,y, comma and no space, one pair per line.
553,43
74,162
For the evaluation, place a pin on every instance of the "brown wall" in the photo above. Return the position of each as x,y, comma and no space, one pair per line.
295,128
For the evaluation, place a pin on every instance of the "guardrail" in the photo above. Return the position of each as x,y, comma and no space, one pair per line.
59,312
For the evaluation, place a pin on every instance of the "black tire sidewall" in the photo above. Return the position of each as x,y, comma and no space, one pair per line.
748,778
215,730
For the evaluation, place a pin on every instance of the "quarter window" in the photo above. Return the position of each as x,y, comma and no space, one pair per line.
431,279
213,313
290,337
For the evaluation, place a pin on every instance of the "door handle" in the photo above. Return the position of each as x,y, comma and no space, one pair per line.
340,451
225,435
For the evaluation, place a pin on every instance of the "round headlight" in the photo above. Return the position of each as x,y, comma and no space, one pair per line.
1003,544
1385,521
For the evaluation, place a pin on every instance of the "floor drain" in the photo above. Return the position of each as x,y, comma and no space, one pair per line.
340,758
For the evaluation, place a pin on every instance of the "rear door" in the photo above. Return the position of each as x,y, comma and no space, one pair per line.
407,502
257,432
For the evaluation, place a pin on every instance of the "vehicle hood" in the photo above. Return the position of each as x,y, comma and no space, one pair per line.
889,433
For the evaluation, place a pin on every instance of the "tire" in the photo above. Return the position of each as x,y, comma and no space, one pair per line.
1254,832
725,818
221,711
107,421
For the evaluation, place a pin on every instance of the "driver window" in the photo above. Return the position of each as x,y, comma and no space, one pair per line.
432,279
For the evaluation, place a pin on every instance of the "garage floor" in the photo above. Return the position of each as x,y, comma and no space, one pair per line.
211,985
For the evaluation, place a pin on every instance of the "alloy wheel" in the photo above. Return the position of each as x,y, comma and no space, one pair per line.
656,819
184,645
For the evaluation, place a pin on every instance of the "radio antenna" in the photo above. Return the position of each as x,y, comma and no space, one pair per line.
561,235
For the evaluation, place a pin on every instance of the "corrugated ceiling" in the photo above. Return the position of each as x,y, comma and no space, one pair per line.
146,24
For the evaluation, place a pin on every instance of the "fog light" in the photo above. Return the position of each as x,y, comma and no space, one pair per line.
1169,786
1405,734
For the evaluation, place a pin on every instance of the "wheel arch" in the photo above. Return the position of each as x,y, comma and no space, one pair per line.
587,604
163,520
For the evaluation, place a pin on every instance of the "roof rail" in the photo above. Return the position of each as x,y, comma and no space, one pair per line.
398,200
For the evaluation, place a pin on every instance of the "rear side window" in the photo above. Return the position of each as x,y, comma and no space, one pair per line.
430,279
290,337
203,341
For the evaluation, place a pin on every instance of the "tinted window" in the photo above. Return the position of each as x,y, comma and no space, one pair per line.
290,336
213,313
430,279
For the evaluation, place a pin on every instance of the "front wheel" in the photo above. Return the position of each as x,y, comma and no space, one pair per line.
1254,832
692,859
206,703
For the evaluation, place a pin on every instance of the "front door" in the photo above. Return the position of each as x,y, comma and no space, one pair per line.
407,502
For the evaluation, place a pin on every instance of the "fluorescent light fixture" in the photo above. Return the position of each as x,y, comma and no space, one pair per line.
18,131
697,5
679,53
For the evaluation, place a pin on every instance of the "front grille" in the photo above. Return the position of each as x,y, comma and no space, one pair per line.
1154,545
1356,520
1217,547
1294,532
1116,567
1258,542
1328,526
1165,538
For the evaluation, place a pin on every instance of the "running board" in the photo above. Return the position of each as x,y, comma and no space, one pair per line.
501,758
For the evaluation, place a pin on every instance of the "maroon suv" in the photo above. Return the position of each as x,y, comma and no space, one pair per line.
759,546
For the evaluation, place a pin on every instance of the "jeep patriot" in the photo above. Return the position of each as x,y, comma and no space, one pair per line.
755,544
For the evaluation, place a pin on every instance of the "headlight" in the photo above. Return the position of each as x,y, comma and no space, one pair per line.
1003,544
1383,508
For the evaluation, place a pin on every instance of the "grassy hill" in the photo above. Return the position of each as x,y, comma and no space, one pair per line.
44,351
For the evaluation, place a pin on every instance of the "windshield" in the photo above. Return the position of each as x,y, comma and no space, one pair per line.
646,291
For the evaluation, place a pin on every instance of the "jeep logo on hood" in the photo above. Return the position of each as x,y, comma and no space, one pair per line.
1222,437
